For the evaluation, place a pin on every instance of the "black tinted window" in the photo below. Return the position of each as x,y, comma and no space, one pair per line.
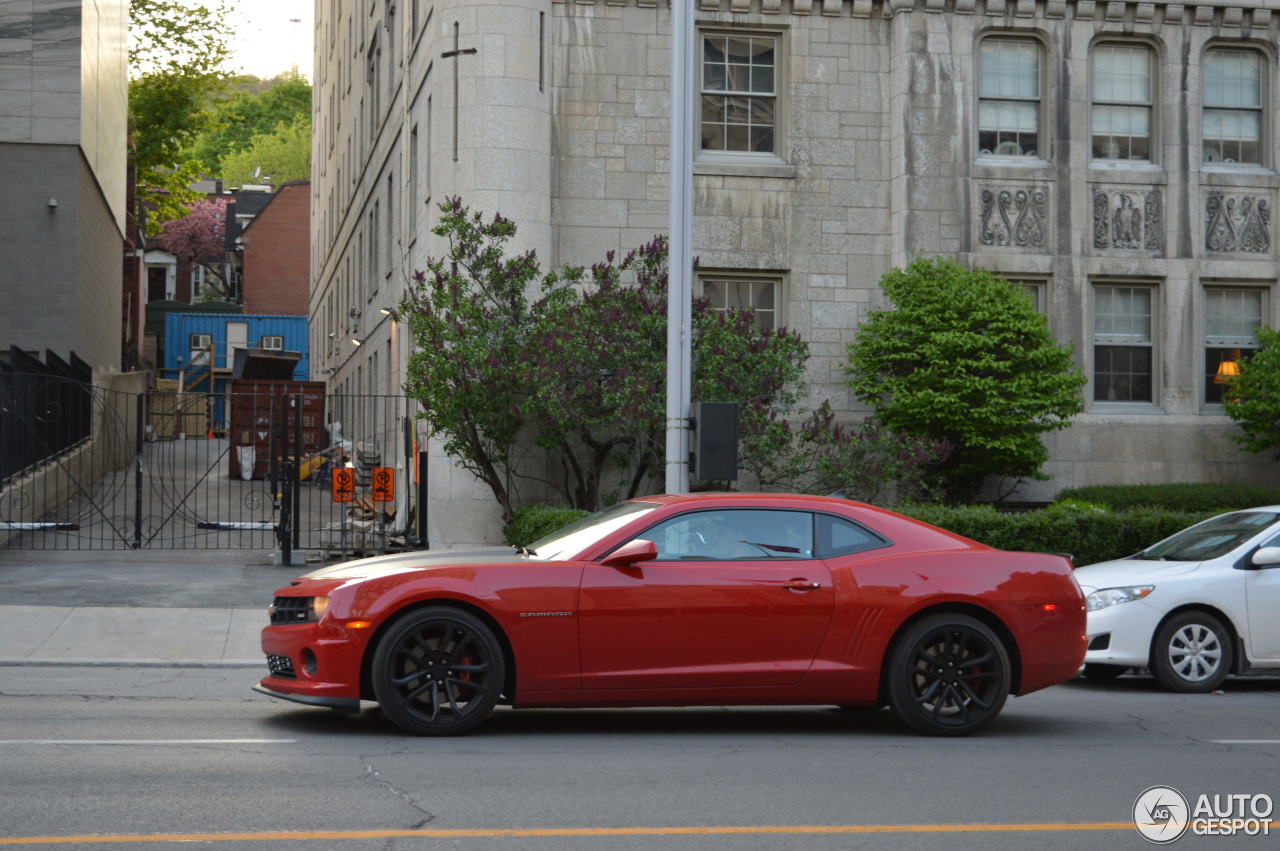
840,537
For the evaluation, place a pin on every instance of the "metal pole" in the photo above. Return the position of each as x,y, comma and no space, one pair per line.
423,540
295,477
140,415
680,254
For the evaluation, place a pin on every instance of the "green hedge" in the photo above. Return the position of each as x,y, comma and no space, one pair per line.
1175,497
533,521
1090,534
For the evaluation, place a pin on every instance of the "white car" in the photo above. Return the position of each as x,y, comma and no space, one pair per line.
1193,608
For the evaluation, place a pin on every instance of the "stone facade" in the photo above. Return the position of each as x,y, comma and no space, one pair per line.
63,127
561,122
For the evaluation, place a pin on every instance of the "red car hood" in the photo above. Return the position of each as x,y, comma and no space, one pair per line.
404,562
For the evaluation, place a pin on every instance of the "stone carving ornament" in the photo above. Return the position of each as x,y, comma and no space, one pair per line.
1014,217
1127,219
1237,223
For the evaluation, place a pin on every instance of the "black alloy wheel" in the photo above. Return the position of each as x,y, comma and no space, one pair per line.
1100,672
948,675
1191,653
438,671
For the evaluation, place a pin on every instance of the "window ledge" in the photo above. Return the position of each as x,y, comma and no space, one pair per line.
1016,162
1145,166
1234,168
745,168
1145,408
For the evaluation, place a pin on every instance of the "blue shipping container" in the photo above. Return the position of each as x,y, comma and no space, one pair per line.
186,334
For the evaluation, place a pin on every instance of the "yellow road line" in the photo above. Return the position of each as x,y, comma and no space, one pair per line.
528,833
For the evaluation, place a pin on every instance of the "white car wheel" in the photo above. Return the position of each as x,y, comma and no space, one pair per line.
1192,653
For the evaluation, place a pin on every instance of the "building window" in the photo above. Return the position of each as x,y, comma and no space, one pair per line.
1122,98
199,342
272,342
1034,289
1233,106
1009,98
739,112
759,295
1231,321
1122,344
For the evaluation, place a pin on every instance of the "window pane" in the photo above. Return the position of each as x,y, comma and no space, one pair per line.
1122,314
1232,317
713,48
734,535
837,536
1122,73
757,295
1009,69
1214,383
1233,78
1122,374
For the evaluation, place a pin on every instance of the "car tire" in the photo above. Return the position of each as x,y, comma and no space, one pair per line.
1102,673
438,671
947,675
1192,652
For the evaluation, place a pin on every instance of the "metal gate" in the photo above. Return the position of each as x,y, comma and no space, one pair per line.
85,467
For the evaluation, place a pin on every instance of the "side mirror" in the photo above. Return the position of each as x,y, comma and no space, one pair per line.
632,552
1266,557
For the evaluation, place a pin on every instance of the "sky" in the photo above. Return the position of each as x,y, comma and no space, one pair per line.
272,37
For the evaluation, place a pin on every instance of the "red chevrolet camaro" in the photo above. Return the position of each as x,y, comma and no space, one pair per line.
705,599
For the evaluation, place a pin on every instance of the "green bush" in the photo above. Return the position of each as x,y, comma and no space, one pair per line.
1086,533
533,521
1184,496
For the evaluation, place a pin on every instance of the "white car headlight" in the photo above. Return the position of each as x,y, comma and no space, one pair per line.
1104,597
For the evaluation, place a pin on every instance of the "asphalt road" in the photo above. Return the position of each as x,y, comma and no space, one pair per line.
191,754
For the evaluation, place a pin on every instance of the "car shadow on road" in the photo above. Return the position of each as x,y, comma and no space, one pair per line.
666,722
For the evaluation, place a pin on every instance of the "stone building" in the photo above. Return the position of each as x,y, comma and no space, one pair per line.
63,129
1118,158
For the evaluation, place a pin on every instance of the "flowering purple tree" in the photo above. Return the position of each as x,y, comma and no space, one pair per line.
199,236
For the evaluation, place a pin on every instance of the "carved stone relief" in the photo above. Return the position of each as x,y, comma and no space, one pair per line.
1128,219
1014,217
1237,223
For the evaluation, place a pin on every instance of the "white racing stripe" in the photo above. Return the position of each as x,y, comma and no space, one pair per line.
148,741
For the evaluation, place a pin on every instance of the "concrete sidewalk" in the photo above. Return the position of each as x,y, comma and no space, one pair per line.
114,635
199,608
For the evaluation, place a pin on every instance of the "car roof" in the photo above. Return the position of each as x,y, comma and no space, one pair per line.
746,498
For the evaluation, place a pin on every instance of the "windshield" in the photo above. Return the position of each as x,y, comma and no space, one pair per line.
577,536
1211,538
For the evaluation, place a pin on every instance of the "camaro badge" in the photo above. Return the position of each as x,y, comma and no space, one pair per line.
546,614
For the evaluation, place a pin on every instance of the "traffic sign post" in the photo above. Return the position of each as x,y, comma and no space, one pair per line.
384,484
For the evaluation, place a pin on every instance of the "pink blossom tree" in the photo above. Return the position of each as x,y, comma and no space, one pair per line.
199,236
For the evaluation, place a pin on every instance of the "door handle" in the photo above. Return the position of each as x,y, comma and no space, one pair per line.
801,585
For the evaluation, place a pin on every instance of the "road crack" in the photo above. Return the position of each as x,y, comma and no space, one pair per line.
375,777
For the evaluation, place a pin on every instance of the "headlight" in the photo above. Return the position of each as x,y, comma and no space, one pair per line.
319,605
1105,597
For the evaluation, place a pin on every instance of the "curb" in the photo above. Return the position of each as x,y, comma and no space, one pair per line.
132,663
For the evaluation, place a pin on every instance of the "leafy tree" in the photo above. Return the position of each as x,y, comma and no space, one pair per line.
863,460
246,114
468,316
1253,396
578,370
280,156
964,358
177,55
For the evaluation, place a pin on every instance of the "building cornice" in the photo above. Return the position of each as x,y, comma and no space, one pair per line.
1221,13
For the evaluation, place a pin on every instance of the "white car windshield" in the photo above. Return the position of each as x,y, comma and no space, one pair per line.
1212,538
579,535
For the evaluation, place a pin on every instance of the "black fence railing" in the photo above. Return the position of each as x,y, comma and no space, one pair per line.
252,467
45,409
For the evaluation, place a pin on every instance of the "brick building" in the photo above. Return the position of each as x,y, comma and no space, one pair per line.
1119,159
276,244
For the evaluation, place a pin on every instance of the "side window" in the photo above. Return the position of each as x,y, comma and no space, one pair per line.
1233,97
840,537
748,534
1009,98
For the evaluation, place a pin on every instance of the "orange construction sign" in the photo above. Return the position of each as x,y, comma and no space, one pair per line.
342,484
384,484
